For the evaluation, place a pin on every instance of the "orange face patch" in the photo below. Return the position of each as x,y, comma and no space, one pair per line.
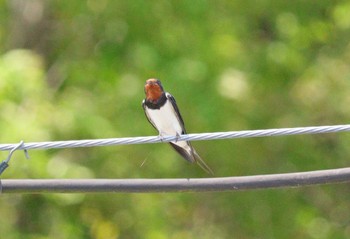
153,90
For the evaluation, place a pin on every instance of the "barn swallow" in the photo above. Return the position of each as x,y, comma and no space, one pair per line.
162,112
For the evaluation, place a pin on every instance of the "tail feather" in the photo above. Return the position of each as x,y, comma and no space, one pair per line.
183,152
201,163
192,156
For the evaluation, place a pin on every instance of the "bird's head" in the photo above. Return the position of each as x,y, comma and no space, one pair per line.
153,89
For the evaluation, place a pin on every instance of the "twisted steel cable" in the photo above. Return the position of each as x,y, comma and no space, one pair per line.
187,137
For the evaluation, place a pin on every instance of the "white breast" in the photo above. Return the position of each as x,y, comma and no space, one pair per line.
165,119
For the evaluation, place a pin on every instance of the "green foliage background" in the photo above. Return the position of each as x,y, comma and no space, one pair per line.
76,70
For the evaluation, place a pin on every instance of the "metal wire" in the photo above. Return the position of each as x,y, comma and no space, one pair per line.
187,137
175,185
4,164
286,180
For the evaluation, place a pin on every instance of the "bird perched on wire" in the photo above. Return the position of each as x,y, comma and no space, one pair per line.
162,112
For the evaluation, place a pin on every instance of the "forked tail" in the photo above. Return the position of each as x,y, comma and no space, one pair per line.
202,164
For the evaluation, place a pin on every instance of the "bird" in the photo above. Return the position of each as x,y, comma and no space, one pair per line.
162,112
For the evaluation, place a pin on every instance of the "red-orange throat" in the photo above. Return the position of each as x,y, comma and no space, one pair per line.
153,90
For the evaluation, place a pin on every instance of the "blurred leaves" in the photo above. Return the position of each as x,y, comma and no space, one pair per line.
76,69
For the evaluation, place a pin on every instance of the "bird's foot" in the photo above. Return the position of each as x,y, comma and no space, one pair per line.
161,137
177,137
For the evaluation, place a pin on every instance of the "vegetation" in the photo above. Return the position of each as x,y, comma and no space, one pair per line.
76,70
